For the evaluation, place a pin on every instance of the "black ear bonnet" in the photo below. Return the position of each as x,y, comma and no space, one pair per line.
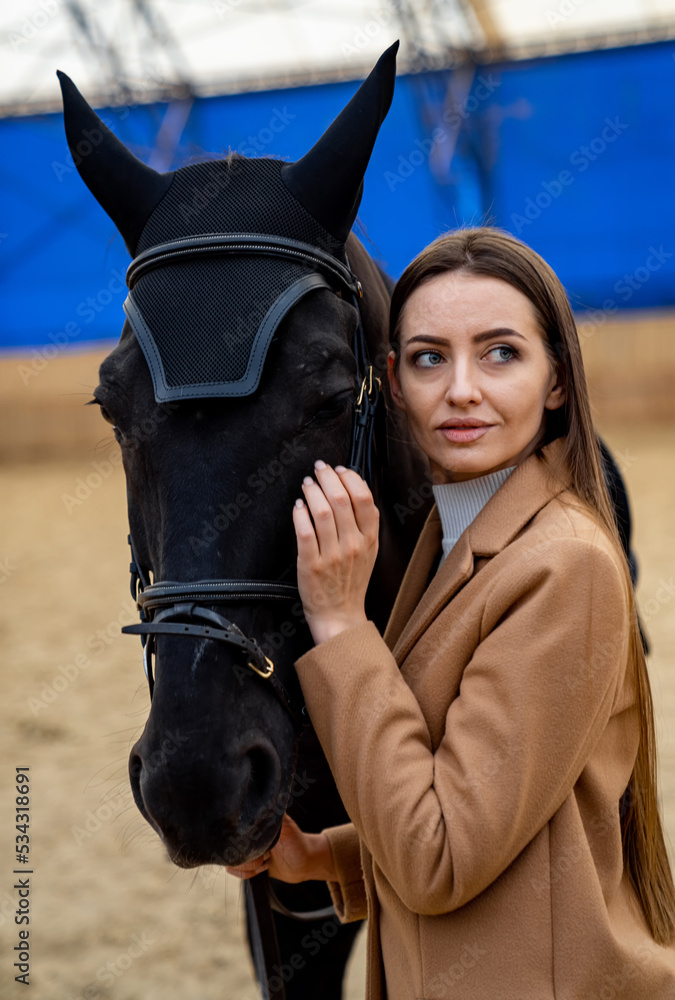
205,324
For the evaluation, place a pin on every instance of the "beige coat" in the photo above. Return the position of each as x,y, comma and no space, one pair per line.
481,749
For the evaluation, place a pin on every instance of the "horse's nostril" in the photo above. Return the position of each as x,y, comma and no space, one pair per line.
264,778
135,773
135,766
260,772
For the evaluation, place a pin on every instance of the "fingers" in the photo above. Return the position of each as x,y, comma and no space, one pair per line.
328,513
341,505
365,512
250,868
308,545
336,550
288,825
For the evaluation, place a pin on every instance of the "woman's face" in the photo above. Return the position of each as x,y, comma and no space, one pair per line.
474,377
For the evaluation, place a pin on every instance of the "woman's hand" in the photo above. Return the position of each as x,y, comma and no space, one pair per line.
337,552
296,857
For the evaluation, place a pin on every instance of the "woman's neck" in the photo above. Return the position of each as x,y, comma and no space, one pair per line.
459,502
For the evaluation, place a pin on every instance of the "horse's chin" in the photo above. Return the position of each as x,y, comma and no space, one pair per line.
232,853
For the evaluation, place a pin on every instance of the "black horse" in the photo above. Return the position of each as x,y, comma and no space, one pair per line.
239,365
212,473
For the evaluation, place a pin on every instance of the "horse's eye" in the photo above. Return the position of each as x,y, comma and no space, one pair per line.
333,407
106,416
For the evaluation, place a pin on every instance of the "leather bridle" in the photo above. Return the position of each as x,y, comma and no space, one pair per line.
164,608
177,608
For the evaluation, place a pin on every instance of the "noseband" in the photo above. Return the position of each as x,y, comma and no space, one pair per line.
175,608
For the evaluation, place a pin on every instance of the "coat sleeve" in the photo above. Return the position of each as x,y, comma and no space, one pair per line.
348,892
534,700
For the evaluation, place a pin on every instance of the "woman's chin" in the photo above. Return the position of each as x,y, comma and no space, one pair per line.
465,465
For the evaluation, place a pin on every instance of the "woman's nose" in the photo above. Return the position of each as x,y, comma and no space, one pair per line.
463,386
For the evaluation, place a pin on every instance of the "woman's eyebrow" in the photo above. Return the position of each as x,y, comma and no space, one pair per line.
478,338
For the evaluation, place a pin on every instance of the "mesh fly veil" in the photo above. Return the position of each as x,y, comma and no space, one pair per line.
205,323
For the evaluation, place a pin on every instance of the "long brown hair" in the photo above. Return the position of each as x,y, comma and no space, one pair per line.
494,253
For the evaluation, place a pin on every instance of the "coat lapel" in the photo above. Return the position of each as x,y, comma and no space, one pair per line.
529,488
416,576
454,572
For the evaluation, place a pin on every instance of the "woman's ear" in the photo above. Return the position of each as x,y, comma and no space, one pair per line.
394,383
556,391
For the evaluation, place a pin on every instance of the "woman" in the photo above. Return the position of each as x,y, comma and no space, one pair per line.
495,751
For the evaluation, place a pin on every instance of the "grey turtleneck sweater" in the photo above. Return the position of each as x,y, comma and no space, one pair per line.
459,503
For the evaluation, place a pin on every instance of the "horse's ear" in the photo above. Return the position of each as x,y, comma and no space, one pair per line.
124,187
328,180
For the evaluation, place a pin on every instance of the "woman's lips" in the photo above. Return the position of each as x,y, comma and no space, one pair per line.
459,435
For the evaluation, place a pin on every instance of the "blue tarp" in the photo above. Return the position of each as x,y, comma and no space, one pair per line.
575,154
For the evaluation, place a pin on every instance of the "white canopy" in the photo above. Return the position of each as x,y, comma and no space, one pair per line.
142,49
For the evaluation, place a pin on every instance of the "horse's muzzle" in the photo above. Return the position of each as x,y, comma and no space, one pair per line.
222,815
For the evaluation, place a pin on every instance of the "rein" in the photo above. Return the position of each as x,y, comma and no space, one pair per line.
177,608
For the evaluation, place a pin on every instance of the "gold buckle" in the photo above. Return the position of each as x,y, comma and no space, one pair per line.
263,673
369,379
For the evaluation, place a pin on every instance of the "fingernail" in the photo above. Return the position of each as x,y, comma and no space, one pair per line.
299,503
319,464
307,481
340,468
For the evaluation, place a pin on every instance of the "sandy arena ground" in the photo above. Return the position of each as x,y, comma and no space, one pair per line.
108,909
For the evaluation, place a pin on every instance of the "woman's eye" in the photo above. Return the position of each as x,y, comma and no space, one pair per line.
502,353
427,359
